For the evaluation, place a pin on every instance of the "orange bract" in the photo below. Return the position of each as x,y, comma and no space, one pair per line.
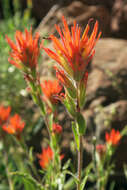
73,53
4,113
113,137
26,51
57,129
50,89
45,157
15,125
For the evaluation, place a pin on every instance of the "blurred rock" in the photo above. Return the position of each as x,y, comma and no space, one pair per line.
112,14
106,105
107,83
79,12
82,13
119,19
109,71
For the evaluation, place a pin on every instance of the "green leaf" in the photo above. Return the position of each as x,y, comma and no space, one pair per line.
70,184
70,105
50,121
28,185
89,167
72,92
30,180
82,94
31,154
76,135
112,185
66,165
74,177
81,123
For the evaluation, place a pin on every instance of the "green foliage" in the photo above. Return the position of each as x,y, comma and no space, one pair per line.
81,123
29,181
76,134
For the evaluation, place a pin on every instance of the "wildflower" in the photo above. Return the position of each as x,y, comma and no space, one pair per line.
73,53
45,157
15,125
4,113
26,51
113,137
57,129
50,89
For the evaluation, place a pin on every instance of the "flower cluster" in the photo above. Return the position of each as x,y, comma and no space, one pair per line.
10,124
14,126
50,88
72,54
45,157
26,51
113,137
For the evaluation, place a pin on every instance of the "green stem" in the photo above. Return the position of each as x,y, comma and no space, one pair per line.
80,152
94,154
7,172
36,95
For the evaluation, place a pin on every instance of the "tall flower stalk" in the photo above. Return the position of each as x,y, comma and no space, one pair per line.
72,54
24,55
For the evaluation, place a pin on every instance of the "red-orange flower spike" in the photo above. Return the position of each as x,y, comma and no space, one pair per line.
26,51
57,129
50,89
113,137
45,157
15,125
73,53
4,114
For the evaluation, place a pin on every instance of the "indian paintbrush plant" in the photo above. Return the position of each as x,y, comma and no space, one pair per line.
72,54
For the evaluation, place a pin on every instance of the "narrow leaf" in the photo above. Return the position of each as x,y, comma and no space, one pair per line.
86,176
74,177
81,123
75,132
